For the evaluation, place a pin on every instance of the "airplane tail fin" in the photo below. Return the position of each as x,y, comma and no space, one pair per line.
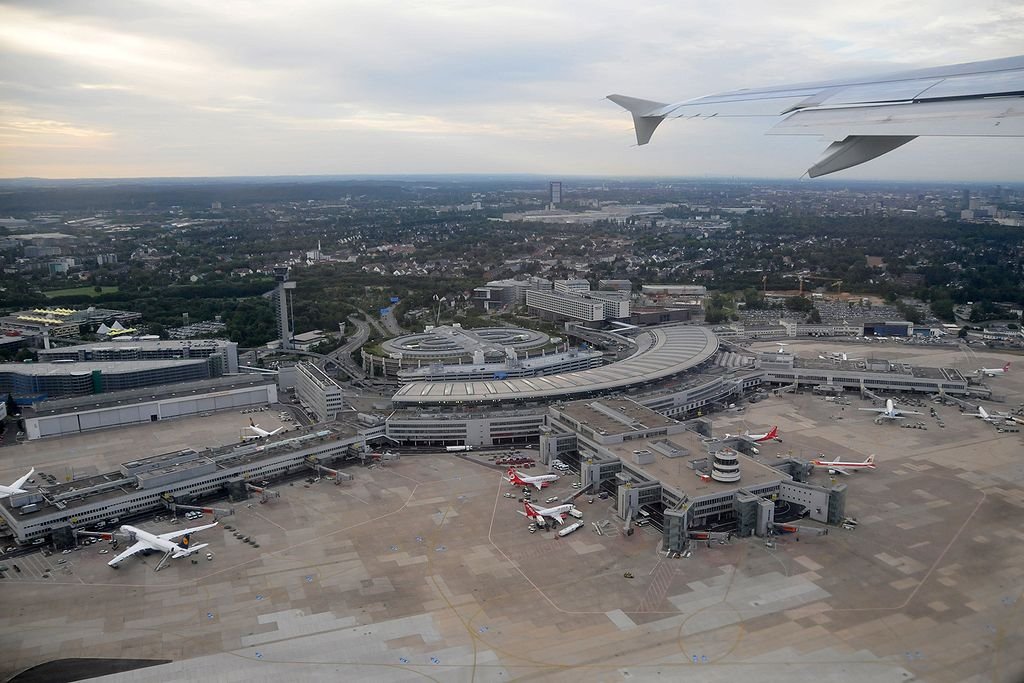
189,551
1006,367
774,433
251,423
870,460
643,122
530,512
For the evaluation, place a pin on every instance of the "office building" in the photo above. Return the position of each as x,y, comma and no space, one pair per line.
318,392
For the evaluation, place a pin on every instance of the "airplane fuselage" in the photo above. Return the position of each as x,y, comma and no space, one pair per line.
155,541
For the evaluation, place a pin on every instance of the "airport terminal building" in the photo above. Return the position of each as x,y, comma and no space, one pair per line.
661,354
183,477
873,374
660,468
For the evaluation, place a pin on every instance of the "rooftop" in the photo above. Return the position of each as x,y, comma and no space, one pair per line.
671,465
609,416
88,367
661,352
161,392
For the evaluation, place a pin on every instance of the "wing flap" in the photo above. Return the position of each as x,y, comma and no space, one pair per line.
994,117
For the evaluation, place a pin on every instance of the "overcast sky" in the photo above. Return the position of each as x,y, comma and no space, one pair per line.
97,88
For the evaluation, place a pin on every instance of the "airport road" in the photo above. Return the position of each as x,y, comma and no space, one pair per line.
423,569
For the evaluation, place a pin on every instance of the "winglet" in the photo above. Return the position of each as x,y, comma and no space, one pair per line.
644,123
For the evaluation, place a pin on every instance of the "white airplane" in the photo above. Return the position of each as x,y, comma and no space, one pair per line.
838,356
847,468
868,116
782,347
15,487
260,433
890,411
992,372
540,481
556,513
143,540
770,435
991,418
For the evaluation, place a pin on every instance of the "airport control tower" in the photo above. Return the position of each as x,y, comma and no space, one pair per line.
284,318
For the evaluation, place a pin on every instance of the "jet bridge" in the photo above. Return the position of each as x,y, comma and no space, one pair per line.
264,493
327,472
168,501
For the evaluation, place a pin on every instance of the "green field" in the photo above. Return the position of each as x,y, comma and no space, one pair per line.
79,291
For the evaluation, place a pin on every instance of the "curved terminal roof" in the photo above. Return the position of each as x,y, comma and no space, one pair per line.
662,353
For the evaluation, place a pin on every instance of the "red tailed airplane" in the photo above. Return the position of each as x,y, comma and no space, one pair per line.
540,481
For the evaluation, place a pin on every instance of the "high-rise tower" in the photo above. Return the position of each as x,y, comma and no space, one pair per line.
284,319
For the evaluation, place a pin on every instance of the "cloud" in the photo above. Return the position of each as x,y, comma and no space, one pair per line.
318,86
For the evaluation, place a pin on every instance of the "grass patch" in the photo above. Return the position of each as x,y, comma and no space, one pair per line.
79,291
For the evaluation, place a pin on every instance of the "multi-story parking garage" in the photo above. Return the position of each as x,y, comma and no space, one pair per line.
449,345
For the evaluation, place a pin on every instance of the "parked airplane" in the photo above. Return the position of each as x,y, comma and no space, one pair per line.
15,487
143,540
838,356
992,372
837,466
867,117
540,481
260,433
770,435
890,411
996,417
556,513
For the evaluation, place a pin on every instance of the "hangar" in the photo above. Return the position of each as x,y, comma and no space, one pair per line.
117,409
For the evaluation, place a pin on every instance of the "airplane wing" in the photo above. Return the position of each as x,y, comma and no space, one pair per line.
181,532
866,117
558,517
18,483
873,410
840,470
537,484
136,547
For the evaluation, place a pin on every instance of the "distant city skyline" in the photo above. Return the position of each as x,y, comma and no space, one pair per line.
154,89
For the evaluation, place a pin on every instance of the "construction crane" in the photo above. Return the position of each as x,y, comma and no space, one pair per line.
838,284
